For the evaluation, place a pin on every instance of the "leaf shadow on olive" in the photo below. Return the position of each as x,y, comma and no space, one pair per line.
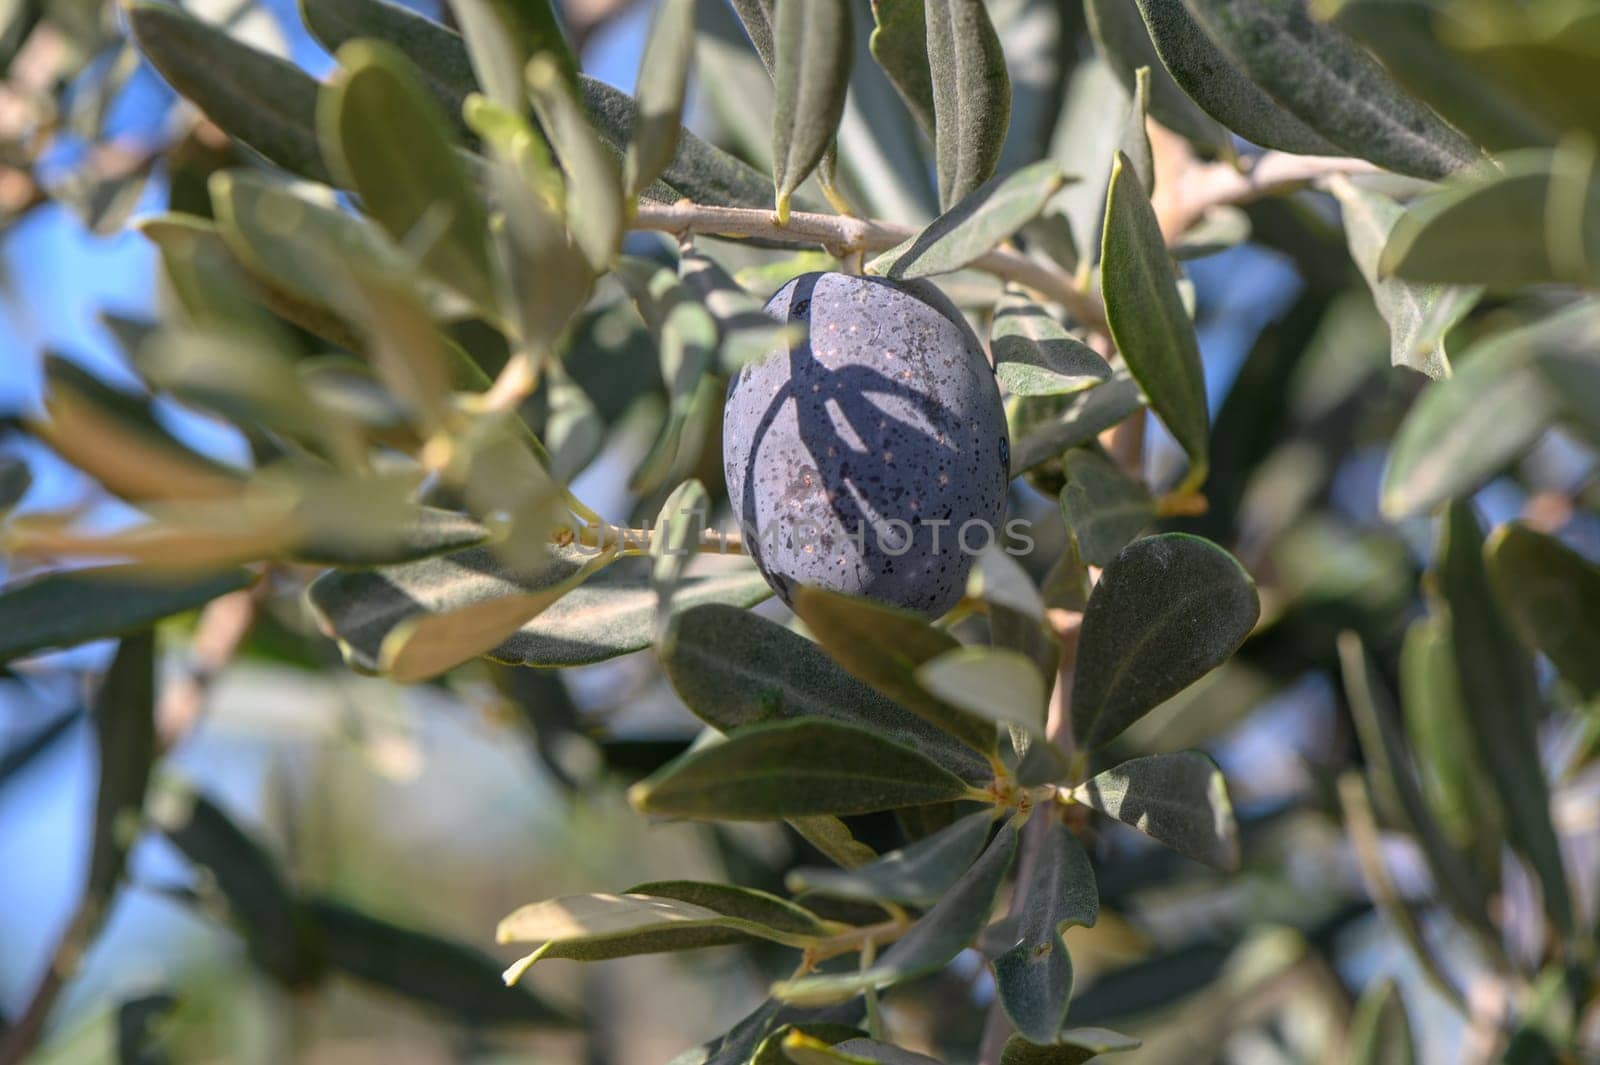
850,390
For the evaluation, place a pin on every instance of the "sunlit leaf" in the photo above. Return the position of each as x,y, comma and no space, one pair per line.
1034,355
1329,83
594,183
383,135
883,647
1044,427
662,84
989,682
811,72
1120,35
983,220
900,45
1178,799
267,103
1072,1047
1419,314
971,95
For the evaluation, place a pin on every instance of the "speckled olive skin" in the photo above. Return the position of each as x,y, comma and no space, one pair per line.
888,413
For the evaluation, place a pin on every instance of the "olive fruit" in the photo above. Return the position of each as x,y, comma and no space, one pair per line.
870,455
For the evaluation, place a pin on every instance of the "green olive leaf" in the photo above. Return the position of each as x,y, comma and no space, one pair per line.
1215,82
971,95
662,85
883,647
1552,595
1178,799
1121,38
1105,508
594,183
1033,976
1147,318
1034,355
733,668
900,45
984,219
382,134
1419,313
259,99
811,71
918,874
1073,1046
1501,696
941,933
1166,611
1328,82
799,768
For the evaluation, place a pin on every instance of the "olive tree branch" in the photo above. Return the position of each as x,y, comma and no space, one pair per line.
846,236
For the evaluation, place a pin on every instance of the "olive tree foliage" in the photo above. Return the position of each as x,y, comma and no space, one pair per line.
432,289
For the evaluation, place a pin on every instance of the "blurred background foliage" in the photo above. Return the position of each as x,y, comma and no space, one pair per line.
400,823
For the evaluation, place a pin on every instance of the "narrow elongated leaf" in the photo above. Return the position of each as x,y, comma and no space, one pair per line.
1517,224
1215,82
990,682
811,72
615,615
1419,314
741,903
1120,35
1552,595
1044,427
971,95
795,769
596,927
1033,978
504,36
1395,786
594,185
381,133
663,84
116,438
733,668
65,609
984,219
800,1048
1410,36
1135,143
438,973
1147,318
687,344
1380,1031
1327,81
259,99
941,934
1034,355
1501,696
1437,728
1463,431
917,874
900,45
1072,1047
883,647
125,735
261,905
1178,799
1167,611
698,170
1104,507
756,18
